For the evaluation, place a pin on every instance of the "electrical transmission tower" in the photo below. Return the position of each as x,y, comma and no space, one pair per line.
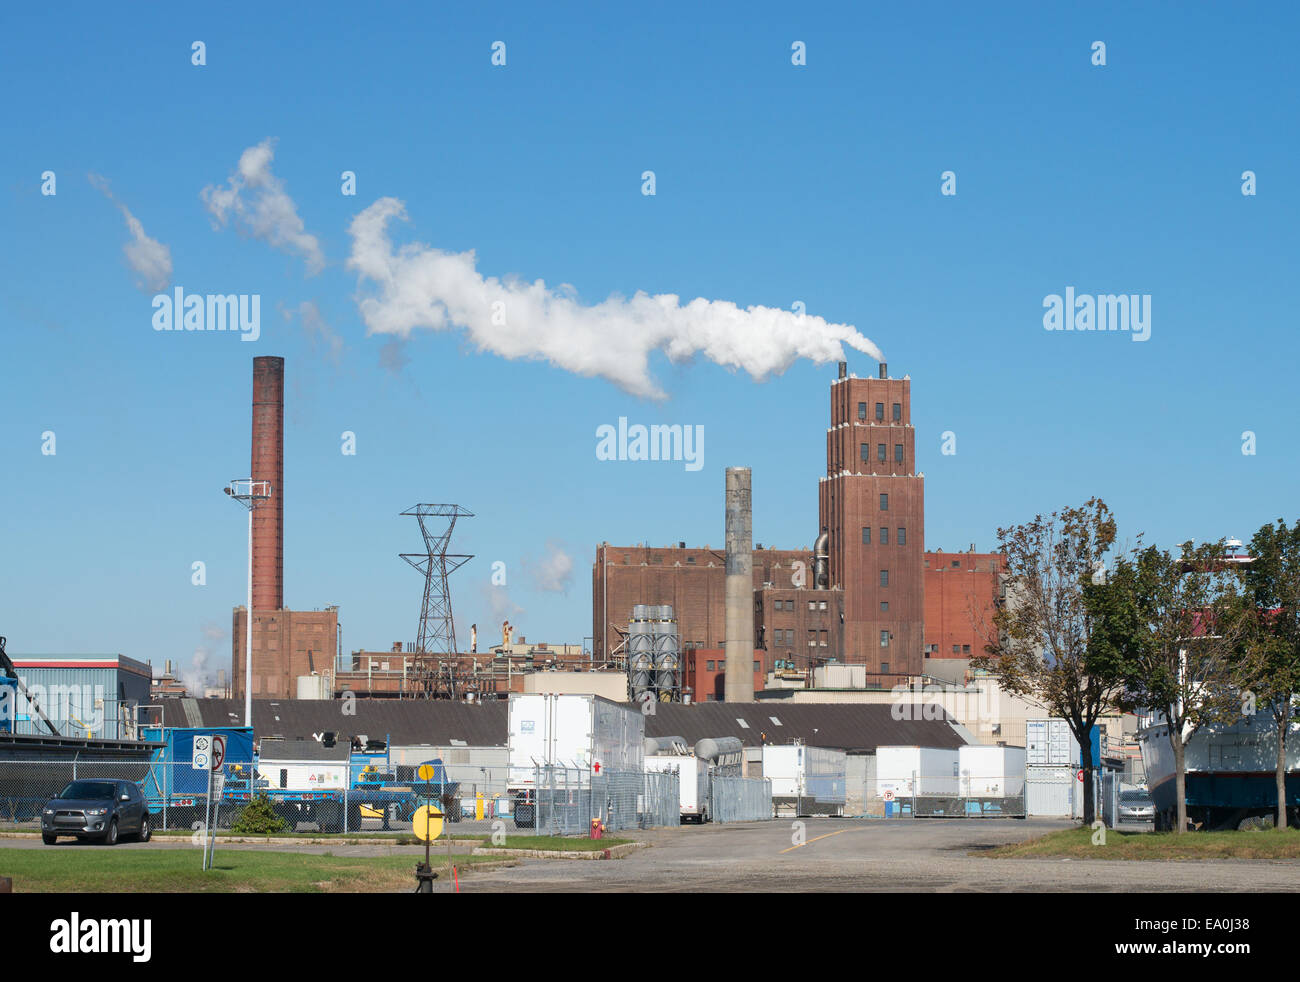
437,633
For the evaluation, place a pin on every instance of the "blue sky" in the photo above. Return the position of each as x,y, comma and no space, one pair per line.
774,184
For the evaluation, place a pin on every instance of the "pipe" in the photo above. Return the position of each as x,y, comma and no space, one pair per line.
739,678
822,560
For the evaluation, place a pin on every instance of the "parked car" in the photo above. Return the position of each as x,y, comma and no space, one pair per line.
101,810
1136,806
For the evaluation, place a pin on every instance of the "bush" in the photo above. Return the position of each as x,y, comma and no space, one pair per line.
258,818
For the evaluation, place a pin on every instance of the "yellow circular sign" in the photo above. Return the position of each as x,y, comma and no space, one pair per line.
426,823
425,773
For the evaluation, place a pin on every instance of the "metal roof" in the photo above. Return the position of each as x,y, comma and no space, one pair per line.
859,727
307,750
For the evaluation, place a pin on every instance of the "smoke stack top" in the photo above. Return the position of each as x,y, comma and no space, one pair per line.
844,369
884,370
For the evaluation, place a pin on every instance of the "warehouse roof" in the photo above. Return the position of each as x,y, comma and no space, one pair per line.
843,726
840,726
406,722
309,750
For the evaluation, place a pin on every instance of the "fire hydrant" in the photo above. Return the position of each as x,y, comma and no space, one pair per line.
597,829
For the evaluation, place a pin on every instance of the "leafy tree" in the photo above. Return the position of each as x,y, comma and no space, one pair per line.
258,818
1044,623
1272,645
1172,628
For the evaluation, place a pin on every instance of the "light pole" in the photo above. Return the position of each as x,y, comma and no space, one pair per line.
250,494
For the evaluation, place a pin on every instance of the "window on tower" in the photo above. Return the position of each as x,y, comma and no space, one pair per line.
866,535
884,505
898,453
884,536
902,537
884,577
884,639
866,451
898,412
880,452
862,411
880,412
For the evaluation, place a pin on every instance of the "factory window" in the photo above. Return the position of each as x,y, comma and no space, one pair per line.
965,649
866,535
812,639
884,606
884,536
690,559
884,639
884,666
862,410
898,412
956,564
956,649
708,665
880,411
884,577
880,452
898,453
902,537
884,502
756,666
866,451
812,605
823,639
821,604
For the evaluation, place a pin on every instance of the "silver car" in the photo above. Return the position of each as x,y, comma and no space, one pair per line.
101,810
1136,806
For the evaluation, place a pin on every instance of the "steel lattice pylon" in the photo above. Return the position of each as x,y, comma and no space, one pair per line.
437,634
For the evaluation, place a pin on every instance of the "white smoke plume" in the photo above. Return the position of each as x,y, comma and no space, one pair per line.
263,209
416,285
149,259
553,573
196,677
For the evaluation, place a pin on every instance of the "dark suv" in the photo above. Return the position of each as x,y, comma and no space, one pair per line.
101,810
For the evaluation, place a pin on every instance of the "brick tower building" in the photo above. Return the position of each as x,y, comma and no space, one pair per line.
873,503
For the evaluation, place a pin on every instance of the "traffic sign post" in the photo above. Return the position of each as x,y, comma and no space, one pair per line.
209,754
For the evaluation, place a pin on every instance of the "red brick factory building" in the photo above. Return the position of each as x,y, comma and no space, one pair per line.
884,602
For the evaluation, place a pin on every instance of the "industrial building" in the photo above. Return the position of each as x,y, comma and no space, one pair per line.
84,696
883,602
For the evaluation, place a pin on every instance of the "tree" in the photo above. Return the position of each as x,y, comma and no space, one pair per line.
258,817
1171,627
1272,590
1043,623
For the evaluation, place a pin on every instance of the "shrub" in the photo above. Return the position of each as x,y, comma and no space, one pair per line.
259,818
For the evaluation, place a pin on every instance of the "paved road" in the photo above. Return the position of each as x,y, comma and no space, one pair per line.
930,855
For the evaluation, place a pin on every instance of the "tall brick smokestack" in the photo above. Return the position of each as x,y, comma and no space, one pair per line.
268,465
739,679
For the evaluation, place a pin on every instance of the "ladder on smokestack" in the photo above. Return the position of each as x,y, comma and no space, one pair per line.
8,668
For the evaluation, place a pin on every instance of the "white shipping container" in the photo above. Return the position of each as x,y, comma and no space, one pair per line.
809,778
1049,743
303,775
917,772
583,732
991,772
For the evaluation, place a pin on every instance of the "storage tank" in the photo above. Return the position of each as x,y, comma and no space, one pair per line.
711,748
315,686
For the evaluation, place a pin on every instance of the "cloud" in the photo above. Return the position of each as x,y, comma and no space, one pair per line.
500,608
213,631
553,573
257,201
403,288
149,259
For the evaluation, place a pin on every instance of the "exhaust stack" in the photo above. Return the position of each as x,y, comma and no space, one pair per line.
739,684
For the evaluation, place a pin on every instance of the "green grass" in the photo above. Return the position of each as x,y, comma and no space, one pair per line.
99,869
1077,844
554,842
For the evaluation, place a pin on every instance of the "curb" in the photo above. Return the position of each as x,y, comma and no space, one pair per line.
615,852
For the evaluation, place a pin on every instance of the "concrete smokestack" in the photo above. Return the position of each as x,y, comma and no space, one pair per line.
268,465
739,685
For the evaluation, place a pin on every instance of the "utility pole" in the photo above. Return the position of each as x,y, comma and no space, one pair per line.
250,494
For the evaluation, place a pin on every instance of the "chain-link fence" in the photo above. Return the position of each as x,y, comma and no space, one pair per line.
741,799
965,795
566,800
176,796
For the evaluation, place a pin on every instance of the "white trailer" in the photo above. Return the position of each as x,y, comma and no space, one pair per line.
991,772
806,780
576,735
923,780
303,775
692,783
